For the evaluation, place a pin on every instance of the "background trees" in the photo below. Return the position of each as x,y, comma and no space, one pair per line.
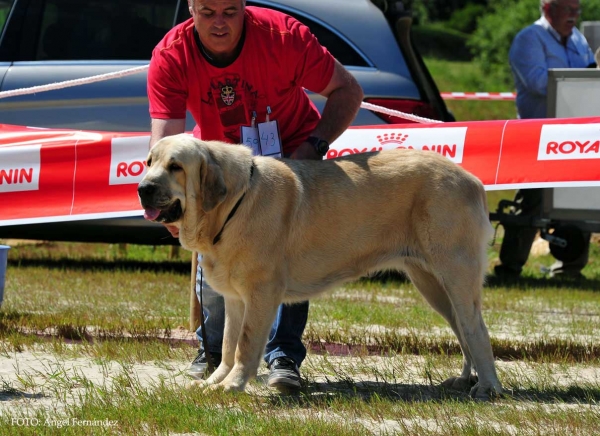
480,31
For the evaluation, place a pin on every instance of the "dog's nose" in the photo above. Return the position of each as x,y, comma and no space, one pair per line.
146,189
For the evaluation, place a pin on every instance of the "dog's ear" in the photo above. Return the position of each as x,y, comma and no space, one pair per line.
212,185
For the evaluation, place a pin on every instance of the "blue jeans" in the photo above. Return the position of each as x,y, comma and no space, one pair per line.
285,339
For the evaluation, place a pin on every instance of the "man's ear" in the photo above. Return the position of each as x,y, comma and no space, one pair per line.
212,185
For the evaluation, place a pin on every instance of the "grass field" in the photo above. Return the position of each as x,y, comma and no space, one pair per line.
94,339
452,76
97,336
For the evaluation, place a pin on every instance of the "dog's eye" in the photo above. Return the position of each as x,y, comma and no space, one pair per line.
149,163
174,167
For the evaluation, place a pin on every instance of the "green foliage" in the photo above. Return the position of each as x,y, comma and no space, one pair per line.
426,11
465,20
436,41
495,31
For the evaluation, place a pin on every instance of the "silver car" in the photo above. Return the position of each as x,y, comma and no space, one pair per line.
48,41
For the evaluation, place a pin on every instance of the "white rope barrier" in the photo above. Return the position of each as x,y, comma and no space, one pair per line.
136,70
75,82
396,113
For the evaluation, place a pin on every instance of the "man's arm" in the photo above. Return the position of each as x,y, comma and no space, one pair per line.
527,59
161,128
344,96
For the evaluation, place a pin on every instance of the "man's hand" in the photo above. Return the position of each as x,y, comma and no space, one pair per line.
173,230
306,151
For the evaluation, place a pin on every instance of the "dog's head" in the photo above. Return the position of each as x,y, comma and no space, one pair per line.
181,170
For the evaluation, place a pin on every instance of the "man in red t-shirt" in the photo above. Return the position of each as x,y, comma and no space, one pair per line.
234,67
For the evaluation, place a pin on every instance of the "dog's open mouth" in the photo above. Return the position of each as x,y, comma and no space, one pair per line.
169,215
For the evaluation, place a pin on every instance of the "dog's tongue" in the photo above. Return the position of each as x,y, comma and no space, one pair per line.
151,214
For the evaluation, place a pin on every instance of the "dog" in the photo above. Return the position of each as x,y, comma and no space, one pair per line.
280,230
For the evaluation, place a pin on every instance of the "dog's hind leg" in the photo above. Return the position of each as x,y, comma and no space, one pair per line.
435,294
462,278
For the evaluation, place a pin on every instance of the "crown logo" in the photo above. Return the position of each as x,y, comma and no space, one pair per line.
227,95
392,138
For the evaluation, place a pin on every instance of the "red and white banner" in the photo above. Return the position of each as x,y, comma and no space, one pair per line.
61,175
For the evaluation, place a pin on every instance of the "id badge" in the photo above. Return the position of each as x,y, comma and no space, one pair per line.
270,143
250,138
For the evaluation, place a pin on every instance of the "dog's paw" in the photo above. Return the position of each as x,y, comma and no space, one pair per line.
232,388
198,384
485,393
463,384
222,387
206,386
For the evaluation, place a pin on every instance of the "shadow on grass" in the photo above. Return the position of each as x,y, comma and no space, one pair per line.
322,394
525,283
552,349
568,395
493,281
11,394
179,267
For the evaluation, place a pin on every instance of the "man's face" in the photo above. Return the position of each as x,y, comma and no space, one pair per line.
563,15
219,24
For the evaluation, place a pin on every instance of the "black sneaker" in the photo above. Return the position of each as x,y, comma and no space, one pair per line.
198,368
284,374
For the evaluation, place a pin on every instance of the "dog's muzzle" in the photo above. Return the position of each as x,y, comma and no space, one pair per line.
158,207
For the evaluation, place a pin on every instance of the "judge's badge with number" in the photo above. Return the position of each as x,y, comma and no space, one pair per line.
270,144
249,137
263,139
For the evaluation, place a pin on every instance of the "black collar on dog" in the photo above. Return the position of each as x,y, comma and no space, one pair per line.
234,210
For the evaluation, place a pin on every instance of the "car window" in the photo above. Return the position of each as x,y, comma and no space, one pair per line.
102,29
5,6
339,48
114,29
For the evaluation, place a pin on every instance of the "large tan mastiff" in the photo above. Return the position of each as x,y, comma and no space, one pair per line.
273,231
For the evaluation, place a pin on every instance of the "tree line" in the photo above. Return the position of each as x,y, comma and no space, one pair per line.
489,25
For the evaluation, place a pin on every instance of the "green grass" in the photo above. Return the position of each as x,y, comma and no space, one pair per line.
543,333
454,76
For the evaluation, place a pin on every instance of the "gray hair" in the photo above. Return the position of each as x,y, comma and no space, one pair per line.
546,2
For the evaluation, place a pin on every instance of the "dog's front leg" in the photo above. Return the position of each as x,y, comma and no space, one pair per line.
234,315
259,313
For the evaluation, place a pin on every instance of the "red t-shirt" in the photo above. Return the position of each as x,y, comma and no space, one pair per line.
279,58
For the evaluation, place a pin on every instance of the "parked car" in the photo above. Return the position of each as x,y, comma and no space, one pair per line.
48,41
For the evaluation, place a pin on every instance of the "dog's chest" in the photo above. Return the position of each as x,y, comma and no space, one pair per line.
218,278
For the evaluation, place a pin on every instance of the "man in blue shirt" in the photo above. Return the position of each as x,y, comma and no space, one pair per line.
553,41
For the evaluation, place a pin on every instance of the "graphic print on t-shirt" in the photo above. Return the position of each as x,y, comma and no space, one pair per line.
234,99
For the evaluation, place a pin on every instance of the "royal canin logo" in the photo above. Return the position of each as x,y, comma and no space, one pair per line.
127,160
20,168
569,142
448,141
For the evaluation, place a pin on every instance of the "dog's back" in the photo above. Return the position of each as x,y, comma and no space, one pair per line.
374,211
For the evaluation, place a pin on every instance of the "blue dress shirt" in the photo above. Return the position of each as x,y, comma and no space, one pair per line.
534,50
